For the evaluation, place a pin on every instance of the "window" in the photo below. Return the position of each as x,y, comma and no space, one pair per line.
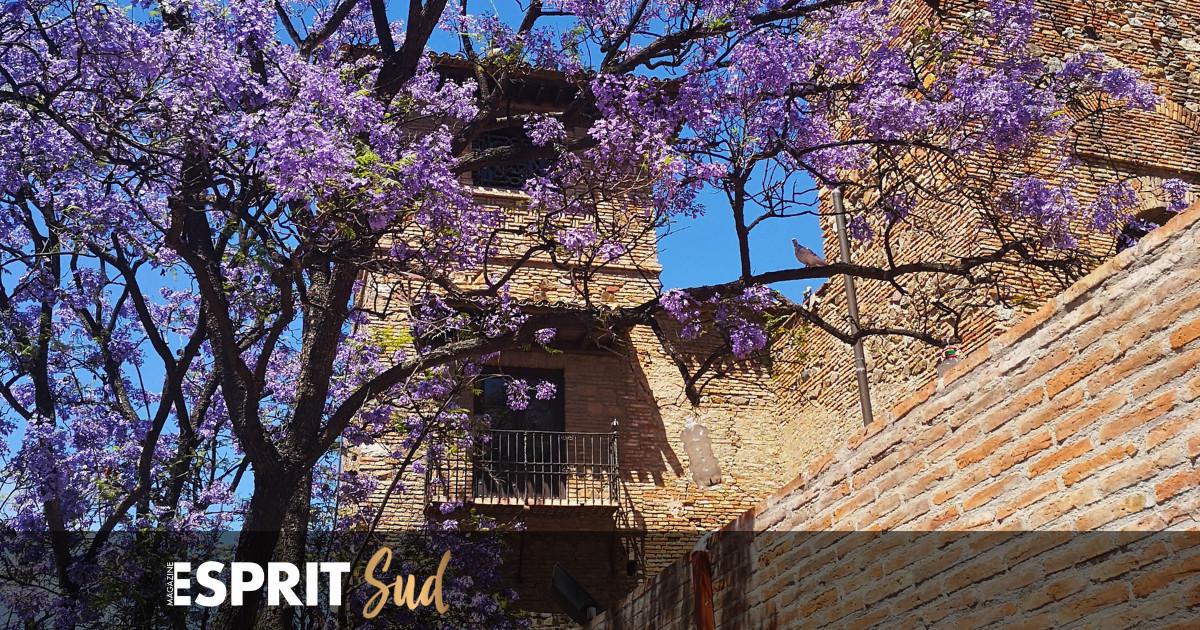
541,415
511,175
525,455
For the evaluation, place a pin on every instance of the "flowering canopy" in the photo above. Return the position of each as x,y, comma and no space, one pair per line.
191,193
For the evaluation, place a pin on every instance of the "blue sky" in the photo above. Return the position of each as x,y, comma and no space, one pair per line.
704,250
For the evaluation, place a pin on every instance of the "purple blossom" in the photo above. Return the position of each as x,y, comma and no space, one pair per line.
545,390
1128,85
545,336
1051,206
518,394
1092,70
1113,207
685,310
576,240
758,298
860,229
1176,191
746,338
610,251
544,130
897,207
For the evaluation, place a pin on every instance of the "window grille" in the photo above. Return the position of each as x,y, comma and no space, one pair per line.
512,175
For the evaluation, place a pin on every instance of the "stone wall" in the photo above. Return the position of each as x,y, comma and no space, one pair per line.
1084,416
815,376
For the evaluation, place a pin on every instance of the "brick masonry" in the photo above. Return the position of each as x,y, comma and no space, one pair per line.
634,381
769,424
1083,416
814,376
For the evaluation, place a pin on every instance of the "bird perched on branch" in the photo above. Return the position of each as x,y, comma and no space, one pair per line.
806,256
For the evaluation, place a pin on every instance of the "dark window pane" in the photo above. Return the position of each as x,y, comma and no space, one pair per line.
520,460
1141,225
512,175
541,415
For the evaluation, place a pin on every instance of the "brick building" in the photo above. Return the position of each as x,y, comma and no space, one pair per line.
1050,480
598,476
814,376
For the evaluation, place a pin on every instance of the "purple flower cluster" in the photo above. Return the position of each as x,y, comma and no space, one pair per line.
1093,70
1113,207
545,336
685,310
742,319
860,228
545,130
518,394
545,390
1051,206
610,251
578,240
1176,191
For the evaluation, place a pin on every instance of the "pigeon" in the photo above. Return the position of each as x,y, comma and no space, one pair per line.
806,256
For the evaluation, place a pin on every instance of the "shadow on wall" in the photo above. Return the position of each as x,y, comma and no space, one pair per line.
668,602
733,565
644,443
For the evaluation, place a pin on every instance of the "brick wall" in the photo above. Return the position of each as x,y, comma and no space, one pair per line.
661,510
1083,416
632,380
815,378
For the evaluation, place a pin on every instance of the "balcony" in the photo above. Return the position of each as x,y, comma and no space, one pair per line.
528,468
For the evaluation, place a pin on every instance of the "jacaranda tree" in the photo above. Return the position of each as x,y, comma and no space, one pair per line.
191,192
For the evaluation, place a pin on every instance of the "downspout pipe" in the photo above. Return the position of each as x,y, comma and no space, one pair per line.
702,587
860,358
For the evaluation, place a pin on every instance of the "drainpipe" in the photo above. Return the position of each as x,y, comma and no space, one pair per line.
702,588
860,358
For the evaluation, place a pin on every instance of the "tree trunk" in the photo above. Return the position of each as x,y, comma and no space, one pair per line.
260,534
291,547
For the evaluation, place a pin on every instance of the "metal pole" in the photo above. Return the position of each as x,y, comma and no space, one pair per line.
860,358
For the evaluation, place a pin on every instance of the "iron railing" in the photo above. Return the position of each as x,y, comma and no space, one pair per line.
530,468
